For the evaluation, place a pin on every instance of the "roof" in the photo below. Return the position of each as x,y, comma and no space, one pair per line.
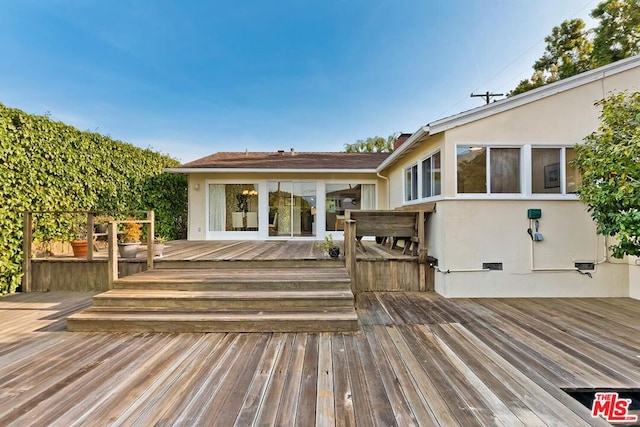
446,123
285,161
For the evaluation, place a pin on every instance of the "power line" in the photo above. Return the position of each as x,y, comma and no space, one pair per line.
588,3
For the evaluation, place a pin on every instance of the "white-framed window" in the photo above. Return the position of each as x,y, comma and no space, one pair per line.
431,176
488,170
551,171
411,183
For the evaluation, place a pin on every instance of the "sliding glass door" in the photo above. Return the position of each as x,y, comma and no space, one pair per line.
292,208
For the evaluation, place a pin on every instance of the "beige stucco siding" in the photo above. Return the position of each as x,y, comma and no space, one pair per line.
198,191
477,231
634,277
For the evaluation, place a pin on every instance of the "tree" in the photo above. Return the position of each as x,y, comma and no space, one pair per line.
525,85
376,144
609,162
617,36
568,50
567,53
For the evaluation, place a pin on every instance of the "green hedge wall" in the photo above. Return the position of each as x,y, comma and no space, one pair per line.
47,165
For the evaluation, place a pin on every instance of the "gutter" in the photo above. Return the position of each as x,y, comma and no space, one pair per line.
265,170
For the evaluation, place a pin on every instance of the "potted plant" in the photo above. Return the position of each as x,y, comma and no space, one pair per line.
329,246
129,239
79,244
101,223
158,246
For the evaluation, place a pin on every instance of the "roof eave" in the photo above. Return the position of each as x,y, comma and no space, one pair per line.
415,137
265,170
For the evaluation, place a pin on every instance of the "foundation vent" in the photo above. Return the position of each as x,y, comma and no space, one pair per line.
492,265
587,266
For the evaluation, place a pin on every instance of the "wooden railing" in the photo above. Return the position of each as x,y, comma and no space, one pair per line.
113,244
27,243
408,226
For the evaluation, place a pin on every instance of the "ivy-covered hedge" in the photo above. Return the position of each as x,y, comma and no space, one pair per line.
47,165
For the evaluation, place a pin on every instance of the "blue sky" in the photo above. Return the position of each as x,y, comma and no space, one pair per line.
190,78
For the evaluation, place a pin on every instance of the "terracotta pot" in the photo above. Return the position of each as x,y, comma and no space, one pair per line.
128,250
80,248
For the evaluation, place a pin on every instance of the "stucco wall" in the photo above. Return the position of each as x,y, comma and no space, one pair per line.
198,192
496,231
634,277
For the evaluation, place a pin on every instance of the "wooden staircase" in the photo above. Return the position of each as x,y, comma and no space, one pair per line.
235,298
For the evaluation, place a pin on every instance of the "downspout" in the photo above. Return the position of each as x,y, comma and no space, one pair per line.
388,189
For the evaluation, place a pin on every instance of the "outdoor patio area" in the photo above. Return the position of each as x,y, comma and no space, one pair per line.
418,359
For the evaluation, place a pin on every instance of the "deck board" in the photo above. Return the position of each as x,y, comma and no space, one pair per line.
418,360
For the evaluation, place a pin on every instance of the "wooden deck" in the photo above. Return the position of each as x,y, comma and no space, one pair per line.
252,250
378,267
417,360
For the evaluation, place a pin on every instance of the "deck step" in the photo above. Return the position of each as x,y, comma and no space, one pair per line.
210,300
277,299
99,319
238,279
163,264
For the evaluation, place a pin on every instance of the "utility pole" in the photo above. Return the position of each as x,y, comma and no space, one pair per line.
487,96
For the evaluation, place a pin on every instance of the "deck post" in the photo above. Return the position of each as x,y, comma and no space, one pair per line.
150,239
27,237
350,252
112,237
89,236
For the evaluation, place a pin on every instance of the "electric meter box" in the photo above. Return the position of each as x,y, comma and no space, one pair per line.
534,213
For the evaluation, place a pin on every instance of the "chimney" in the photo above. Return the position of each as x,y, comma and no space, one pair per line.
281,153
400,140
293,152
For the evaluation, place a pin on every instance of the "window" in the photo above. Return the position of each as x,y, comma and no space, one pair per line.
573,177
347,196
411,183
472,169
431,176
501,174
551,172
233,207
505,170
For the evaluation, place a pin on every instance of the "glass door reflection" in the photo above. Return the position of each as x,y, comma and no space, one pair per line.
292,208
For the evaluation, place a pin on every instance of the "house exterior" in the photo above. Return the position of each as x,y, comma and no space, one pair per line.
492,168
279,195
507,221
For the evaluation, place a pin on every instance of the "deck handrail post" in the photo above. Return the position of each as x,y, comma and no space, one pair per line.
350,252
27,237
150,239
112,236
89,236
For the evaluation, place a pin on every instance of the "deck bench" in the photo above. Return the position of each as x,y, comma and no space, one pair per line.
393,225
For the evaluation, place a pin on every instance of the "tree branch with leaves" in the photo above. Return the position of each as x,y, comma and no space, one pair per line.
609,162
376,144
